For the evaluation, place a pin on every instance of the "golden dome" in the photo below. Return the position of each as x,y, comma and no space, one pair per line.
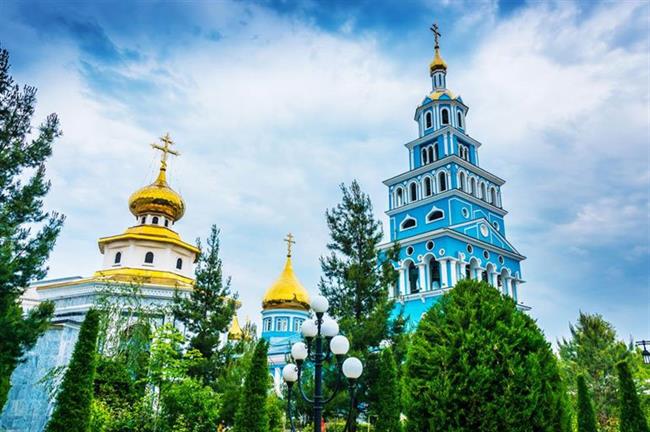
438,63
235,332
158,197
286,292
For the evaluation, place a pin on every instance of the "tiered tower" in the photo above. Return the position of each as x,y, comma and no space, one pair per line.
284,308
446,210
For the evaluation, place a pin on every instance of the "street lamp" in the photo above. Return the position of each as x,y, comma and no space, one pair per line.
322,343
645,353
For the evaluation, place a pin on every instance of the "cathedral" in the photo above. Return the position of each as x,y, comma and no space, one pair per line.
445,214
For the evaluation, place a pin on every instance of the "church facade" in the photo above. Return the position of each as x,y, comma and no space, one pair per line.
445,211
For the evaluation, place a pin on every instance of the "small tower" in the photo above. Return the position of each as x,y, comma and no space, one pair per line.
284,309
150,250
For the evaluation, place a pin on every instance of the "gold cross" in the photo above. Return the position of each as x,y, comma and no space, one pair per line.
290,241
165,149
436,33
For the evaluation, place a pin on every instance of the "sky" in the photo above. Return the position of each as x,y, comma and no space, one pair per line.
274,104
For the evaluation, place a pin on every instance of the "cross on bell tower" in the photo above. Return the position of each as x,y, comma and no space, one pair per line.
290,242
436,34
165,149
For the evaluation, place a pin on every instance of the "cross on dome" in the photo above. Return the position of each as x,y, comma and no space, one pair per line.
165,149
436,33
290,242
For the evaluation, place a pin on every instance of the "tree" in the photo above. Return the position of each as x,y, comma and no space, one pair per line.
593,350
208,309
477,363
27,232
192,402
388,406
252,413
632,417
586,416
356,280
73,403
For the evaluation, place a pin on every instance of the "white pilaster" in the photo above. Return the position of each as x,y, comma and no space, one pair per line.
422,279
443,273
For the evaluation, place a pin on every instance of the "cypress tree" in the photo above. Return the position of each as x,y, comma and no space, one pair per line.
388,395
73,403
27,232
632,417
252,413
476,363
586,416
209,308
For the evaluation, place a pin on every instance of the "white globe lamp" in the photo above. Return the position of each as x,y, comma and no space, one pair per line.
290,373
339,345
320,304
309,329
299,351
329,328
352,368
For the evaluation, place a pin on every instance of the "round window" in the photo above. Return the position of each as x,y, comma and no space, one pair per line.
430,245
484,230
409,250
470,248
486,254
501,259
465,212
441,252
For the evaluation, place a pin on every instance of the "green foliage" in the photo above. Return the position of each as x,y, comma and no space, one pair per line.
478,363
72,411
632,418
586,416
388,408
27,233
275,407
208,309
356,280
168,362
252,413
593,351
192,404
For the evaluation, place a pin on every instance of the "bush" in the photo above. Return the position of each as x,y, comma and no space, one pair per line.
632,417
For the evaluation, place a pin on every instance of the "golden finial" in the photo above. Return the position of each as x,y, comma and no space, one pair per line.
290,242
165,149
438,63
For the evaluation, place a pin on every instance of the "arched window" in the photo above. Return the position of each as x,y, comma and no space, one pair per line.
434,274
442,181
461,181
463,151
166,223
179,264
433,153
445,116
143,219
460,119
484,276
427,120
483,194
472,186
468,272
408,223
399,197
118,258
428,190
413,189
434,215
493,198
425,156
154,220
148,258
499,281
413,278
266,325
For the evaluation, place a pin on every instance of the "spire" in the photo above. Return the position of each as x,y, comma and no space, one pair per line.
438,67
287,292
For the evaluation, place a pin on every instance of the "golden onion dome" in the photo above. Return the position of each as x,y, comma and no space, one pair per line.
158,197
235,331
438,63
286,292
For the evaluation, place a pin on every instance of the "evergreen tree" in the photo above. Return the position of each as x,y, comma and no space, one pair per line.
586,416
208,309
73,402
593,350
632,417
356,281
252,413
388,407
27,233
476,363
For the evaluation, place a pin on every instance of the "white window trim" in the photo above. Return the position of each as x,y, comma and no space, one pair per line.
434,209
406,218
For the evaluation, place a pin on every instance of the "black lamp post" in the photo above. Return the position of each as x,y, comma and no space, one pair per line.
645,353
323,343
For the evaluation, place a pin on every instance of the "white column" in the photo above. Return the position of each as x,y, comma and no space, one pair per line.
422,279
402,281
443,274
514,289
454,271
462,268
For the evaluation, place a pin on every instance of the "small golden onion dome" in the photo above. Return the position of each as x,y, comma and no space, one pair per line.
286,292
235,332
438,63
158,197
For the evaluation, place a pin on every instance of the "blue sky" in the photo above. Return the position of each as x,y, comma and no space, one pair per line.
274,103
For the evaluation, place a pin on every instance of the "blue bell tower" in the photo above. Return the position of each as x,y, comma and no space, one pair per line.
445,210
